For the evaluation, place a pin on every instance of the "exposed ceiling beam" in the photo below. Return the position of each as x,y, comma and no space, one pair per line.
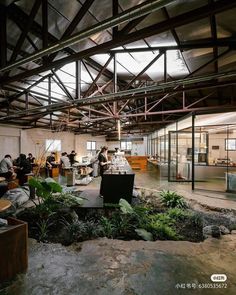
174,22
129,14
24,33
188,84
98,76
3,36
21,18
72,26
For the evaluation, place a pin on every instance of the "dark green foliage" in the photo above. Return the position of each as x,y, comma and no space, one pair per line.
123,224
108,229
172,199
81,231
121,221
162,231
178,214
196,219
50,196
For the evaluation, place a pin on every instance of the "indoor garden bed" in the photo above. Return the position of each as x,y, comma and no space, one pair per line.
59,218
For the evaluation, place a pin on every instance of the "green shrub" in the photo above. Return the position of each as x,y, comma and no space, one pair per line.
123,224
178,214
50,196
107,228
162,218
162,231
141,216
172,199
43,229
81,230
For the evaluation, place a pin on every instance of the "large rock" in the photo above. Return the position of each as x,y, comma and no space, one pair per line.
224,230
18,196
211,231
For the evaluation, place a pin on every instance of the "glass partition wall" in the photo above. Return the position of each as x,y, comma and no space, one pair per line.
180,156
200,149
219,172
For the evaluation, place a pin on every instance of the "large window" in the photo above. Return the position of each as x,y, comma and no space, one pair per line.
230,144
126,145
53,145
91,145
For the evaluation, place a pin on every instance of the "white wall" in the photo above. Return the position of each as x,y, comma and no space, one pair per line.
14,141
219,140
9,141
81,143
138,147
33,141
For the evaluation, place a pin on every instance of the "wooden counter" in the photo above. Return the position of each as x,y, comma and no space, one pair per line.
137,162
117,183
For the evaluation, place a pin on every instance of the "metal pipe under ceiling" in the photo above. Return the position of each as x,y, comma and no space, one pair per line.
128,15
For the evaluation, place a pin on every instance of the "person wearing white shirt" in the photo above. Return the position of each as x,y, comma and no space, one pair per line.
65,161
6,167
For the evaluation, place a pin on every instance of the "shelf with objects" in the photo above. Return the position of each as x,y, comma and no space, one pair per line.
118,181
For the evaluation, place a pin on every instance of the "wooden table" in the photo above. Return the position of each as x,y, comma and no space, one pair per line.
4,204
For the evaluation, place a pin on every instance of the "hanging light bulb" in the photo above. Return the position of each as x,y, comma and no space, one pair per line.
119,129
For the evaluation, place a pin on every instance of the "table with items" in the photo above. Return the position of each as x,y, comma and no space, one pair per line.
118,181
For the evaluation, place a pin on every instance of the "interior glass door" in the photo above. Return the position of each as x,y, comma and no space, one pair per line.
180,156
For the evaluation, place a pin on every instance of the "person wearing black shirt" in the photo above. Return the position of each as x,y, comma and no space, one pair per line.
31,159
23,168
103,164
50,163
103,161
72,157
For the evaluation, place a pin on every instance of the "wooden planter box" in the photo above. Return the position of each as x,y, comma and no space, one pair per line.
13,249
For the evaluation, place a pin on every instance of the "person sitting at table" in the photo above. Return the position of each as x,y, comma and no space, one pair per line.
50,163
6,167
64,161
23,168
31,159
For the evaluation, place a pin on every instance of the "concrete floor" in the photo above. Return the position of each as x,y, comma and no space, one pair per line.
103,266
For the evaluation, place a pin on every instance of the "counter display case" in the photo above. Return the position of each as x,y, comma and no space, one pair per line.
118,181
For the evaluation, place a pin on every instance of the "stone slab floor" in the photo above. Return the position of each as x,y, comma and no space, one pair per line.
113,267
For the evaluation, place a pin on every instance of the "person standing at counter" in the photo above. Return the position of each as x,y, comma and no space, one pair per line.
103,160
103,164
95,163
